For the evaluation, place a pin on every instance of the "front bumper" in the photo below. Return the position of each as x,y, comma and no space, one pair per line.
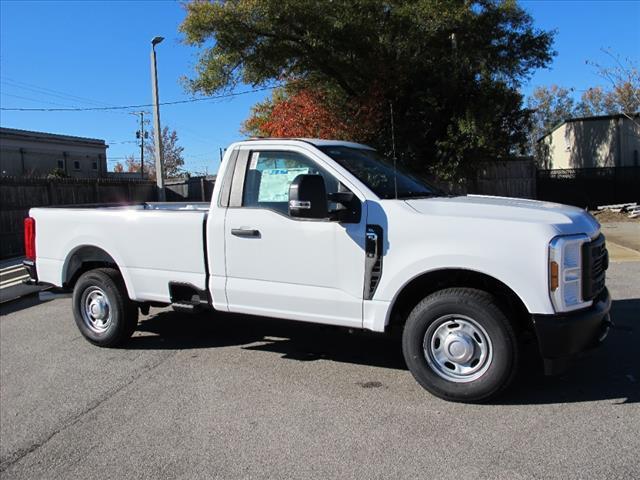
565,335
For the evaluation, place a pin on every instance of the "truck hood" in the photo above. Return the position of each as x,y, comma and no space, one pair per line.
564,219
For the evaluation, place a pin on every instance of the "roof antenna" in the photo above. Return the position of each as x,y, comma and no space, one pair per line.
393,146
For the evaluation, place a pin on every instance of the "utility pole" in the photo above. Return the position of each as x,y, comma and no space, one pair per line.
156,120
141,135
142,132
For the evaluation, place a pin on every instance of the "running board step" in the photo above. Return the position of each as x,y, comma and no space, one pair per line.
184,307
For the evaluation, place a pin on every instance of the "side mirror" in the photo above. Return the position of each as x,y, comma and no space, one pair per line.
308,197
349,207
343,198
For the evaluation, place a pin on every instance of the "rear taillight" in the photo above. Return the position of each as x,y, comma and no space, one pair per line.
30,238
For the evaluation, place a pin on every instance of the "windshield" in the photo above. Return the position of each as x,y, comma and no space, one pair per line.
377,173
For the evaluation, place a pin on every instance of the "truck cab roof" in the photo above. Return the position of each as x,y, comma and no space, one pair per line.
318,142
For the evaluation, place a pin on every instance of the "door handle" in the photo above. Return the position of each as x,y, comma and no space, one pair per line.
245,232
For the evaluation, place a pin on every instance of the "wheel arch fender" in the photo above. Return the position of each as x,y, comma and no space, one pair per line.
427,282
87,256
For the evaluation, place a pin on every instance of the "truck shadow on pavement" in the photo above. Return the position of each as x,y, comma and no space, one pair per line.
22,303
291,340
611,372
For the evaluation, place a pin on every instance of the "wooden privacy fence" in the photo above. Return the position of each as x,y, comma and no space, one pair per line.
18,195
509,178
195,189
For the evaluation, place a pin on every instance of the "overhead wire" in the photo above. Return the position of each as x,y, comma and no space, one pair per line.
127,107
39,100
49,91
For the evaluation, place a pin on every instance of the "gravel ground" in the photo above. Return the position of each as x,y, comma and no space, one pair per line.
626,234
606,216
238,397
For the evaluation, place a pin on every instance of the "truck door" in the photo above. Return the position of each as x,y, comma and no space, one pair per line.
279,266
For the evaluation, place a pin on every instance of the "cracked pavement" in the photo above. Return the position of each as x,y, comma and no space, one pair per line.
231,396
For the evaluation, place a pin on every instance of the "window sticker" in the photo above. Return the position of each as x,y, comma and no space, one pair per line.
274,185
254,160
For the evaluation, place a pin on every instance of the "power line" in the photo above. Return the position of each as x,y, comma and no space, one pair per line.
37,100
125,107
42,91
49,92
121,142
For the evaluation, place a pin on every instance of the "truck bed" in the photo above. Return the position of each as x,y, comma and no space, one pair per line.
153,243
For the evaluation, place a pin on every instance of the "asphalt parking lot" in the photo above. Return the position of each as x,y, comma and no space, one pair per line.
239,397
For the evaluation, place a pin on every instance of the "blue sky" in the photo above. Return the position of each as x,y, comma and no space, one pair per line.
92,53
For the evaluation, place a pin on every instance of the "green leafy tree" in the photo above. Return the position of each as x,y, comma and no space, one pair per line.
450,69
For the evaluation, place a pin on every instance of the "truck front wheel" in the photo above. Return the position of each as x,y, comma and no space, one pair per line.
460,346
102,310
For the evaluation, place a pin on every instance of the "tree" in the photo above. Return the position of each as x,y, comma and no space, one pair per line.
173,160
595,101
313,113
451,70
549,107
623,95
172,154
132,165
57,173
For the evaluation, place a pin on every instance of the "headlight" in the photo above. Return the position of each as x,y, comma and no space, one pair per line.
565,272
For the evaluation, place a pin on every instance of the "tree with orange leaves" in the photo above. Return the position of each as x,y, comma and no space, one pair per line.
315,113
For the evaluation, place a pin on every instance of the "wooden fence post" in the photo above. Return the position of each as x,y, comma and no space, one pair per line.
50,199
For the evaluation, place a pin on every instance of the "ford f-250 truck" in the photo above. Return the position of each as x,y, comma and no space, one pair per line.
330,232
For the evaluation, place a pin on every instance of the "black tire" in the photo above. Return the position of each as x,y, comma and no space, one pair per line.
435,316
106,287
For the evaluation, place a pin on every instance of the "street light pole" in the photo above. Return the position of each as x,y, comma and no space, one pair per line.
156,121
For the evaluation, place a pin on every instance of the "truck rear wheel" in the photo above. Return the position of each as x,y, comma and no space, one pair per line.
102,310
460,346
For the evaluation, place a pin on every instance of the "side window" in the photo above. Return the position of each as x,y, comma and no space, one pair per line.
269,175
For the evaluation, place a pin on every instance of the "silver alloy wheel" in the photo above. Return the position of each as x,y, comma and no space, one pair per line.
457,348
95,309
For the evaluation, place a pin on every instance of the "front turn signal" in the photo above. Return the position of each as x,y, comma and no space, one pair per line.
554,278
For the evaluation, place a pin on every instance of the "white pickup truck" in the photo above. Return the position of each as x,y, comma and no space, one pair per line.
329,232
